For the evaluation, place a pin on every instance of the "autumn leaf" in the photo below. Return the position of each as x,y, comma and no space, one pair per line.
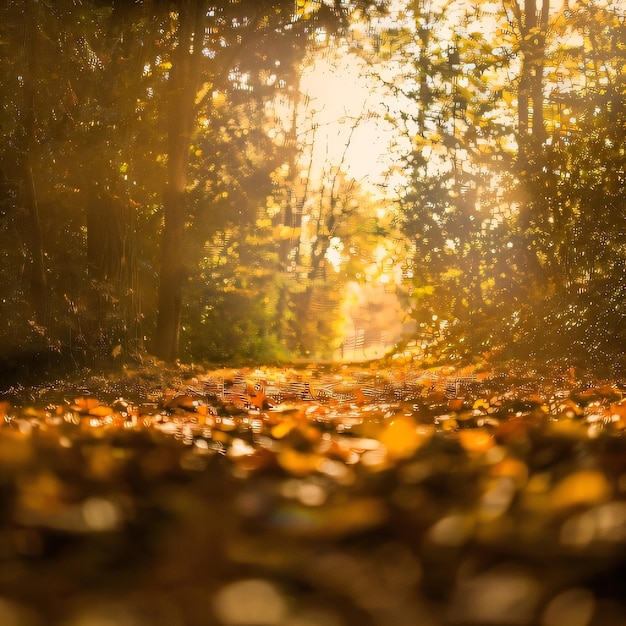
84,405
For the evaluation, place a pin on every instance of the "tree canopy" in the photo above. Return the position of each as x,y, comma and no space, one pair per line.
163,189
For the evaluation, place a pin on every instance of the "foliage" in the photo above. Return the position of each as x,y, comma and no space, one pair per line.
99,87
155,191
460,168
347,495
521,254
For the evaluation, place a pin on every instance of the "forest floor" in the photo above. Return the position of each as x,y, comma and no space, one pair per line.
335,496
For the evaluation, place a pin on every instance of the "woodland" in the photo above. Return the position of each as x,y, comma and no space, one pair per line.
312,313
160,195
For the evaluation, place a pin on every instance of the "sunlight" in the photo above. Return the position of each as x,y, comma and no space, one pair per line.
343,124
371,322
345,109
343,130
334,254
380,253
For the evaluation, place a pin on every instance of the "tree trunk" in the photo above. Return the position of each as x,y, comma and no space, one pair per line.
182,85
533,26
32,235
108,241
34,243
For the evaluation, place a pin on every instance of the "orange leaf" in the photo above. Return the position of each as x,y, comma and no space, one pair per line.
189,403
84,405
5,407
100,411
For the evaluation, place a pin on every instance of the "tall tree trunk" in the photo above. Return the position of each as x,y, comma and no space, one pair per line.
108,226
532,23
183,85
33,240
533,26
32,235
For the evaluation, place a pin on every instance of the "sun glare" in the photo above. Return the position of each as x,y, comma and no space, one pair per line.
343,124
346,112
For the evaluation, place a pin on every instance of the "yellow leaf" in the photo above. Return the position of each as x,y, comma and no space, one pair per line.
282,429
401,437
101,411
582,488
476,439
84,405
298,463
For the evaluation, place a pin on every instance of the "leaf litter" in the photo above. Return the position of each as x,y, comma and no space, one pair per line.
319,495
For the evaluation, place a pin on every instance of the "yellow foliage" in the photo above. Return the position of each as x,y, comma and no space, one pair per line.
582,488
85,405
402,437
101,411
476,440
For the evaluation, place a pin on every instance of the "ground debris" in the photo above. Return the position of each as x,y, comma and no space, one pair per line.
314,496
